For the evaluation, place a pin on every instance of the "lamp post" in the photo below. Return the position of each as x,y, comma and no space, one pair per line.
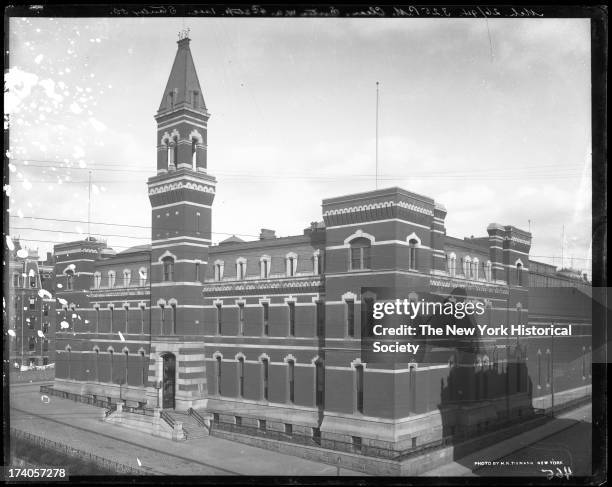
157,385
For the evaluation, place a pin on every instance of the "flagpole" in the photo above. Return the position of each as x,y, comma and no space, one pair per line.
377,135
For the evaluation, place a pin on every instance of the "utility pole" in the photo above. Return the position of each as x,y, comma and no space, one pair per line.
89,209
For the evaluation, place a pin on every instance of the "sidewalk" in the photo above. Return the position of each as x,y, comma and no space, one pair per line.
81,426
506,447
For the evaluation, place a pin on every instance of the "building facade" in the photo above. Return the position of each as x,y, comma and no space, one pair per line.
266,334
30,308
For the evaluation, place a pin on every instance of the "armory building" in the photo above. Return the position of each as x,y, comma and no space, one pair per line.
264,336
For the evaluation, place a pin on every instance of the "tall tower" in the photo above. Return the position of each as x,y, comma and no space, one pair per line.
181,196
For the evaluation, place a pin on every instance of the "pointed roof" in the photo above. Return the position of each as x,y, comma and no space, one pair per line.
183,82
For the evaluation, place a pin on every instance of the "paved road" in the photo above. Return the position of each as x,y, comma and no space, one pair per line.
566,440
81,426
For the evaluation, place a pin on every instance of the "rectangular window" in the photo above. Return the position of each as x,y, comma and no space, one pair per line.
288,429
197,222
127,318
174,319
219,320
350,317
357,443
359,387
111,319
45,310
197,271
32,303
216,418
291,377
320,318
291,319
219,376
241,377
45,327
262,424
265,366
266,318
238,421
241,318
15,280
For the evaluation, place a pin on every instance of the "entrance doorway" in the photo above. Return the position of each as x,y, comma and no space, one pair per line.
168,381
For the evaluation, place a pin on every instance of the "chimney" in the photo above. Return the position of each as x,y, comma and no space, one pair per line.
267,234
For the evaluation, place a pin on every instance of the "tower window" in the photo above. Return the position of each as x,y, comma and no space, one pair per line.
360,253
168,265
196,99
519,274
171,99
412,254
194,153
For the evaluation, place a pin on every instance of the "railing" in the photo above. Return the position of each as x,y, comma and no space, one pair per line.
200,419
74,452
167,418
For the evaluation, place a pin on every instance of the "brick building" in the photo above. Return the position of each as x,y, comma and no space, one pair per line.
266,334
30,308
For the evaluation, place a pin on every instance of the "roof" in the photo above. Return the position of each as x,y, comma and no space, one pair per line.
183,81
231,240
136,248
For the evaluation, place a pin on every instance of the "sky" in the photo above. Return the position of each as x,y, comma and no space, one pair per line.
491,118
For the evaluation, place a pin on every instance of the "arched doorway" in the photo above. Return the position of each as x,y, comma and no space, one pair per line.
168,380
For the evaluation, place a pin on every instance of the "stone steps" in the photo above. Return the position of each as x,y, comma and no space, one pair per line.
191,427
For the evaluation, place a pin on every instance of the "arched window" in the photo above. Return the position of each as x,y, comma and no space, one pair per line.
173,306
360,253
127,277
359,387
475,269
241,377
197,271
467,267
125,375
218,270
97,365
291,264
519,274
488,271
412,254
265,366
169,153
126,307
69,280
218,375
97,279
168,268
97,309
194,152
111,310
144,368
112,359
452,265
291,380
69,350
241,268
142,274
264,264
319,384
142,317
175,150
111,278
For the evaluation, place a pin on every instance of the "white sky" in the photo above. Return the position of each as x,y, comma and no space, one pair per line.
490,118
